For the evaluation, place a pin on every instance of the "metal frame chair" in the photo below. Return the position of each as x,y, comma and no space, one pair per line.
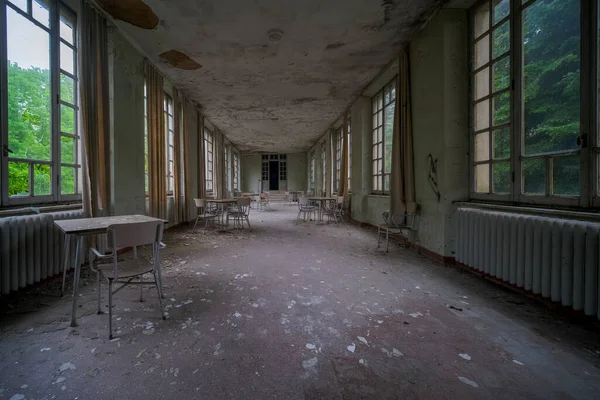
204,212
241,212
400,221
304,207
263,201
124,272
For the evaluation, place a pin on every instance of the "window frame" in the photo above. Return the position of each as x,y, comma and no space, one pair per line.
169,117
57,12
209,149
312,172
236,171
589,78
339,140
375,125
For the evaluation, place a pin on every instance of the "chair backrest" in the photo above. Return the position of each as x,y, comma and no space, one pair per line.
340,200
137,234
303,202
243,201
200,202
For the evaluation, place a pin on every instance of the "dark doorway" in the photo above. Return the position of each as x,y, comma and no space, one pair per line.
273,175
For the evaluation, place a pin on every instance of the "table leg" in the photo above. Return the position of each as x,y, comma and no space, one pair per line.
65,263
76,280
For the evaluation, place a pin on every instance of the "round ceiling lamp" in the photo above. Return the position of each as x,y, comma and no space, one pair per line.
275,35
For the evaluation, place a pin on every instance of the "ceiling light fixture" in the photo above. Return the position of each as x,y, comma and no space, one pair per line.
275,35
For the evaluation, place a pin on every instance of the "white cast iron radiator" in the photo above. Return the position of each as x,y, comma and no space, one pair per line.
556,258
31,249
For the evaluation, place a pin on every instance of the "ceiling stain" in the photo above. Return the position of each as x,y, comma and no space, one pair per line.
136,12
179,60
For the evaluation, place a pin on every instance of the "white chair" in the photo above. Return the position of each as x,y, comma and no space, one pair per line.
209,215
124,272
304,207
397,223
263,202
241,212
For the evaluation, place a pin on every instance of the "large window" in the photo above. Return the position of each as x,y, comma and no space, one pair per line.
349,155
527,81
383,104
208,159
311,173
236,171
227,167
338,157
324,167
40,138
169,129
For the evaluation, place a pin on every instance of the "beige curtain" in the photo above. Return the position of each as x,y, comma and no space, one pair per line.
402,179
187,179
343,183
179,199
222,166
93,75
157,158
201,159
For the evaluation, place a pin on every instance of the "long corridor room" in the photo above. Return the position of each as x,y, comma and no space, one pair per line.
299,200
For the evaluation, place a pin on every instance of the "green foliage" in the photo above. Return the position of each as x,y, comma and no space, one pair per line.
551,86
29,130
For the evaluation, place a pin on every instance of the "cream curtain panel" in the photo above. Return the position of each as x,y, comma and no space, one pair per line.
157,158
402,179
187,179
93,69
178,195
201,158
343,183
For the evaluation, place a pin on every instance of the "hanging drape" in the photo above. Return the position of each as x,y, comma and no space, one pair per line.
179,199
93,75
157,158
343,183
187,179
402,179
223,167
201,158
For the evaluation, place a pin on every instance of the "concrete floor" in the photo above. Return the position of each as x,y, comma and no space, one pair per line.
297,312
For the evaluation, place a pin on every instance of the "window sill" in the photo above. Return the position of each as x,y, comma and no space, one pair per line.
379,196
31,210
578,213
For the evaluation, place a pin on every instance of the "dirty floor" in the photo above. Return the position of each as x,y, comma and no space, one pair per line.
296,312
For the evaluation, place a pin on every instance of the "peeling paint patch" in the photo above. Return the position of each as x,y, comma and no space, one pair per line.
179,60
135,12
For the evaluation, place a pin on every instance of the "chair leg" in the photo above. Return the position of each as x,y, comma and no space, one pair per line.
141,289
387,240
196,223
65,264
248,222
99,311
110,283
379,236
159,291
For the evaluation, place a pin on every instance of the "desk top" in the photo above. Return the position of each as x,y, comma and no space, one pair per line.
221,200
100,224
322,198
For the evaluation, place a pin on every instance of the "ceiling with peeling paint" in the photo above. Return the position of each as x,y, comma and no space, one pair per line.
277,96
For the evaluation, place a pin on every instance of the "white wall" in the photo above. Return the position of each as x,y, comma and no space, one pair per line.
252,171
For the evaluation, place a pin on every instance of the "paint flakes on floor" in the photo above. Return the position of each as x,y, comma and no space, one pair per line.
468,381
465,356
66,366
397,353
518,362
351,347
363,340
310,363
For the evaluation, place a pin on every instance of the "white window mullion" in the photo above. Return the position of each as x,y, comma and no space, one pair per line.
55,177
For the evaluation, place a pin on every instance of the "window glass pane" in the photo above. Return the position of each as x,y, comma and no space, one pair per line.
67,59
482,115
67,89
389,133
482,83
565,176
501,40
502,74
40,12
482,51
551,51
22,4
502,108
502,142
18,183
67,31
67,150
482,178
501,172
386,183
501,10
481,21
28,89
67,119
41,180
67,180
482,146
534,176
